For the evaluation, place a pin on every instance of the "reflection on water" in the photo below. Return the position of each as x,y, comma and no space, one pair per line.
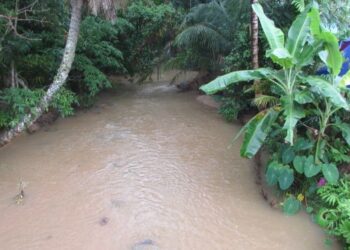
147,169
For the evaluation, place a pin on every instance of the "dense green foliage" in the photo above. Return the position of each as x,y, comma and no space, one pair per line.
33,51
207,34
332,206
304,124
215,37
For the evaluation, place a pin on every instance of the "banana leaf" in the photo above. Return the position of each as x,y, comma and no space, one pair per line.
256,132
222,82
324,88
274,35
297,35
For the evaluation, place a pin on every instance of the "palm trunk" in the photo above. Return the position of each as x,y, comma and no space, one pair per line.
60,78
13,75
255,38
255,45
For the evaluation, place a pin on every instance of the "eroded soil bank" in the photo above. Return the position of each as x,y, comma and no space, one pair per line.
147,168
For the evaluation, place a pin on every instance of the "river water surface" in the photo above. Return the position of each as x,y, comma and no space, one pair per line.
147,168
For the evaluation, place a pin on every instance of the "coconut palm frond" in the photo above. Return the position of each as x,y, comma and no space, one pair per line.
208,30
177,62
203,35
264,101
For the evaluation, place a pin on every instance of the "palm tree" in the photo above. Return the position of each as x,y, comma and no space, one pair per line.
207,32
254,37
106,8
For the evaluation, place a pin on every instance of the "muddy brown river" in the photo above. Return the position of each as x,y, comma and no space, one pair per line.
145,168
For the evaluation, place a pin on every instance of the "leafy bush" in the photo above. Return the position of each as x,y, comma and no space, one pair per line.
152,27
128,46
16,102
64,101
236,100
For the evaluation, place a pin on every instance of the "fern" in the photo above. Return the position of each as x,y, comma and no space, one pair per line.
344,230
299,4
336,208
329,197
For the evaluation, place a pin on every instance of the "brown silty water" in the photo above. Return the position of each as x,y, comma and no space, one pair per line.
145,168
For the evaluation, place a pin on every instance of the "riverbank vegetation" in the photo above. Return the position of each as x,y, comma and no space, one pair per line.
301,117
32,42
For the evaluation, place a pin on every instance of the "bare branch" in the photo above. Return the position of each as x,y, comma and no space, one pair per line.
12,21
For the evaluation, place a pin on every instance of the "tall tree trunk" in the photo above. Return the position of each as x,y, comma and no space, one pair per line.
13,75
60,78
255,45
254,38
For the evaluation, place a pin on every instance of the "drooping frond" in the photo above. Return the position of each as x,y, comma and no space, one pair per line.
211,25
208,31
264,101
214,14
104,7
203,35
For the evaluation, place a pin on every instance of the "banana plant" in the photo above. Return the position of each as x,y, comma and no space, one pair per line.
291,53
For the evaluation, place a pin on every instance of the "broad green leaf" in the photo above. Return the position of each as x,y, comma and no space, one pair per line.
288,155
345,130
298,164
256,132
335,58
320,146
291,206
293,114
297,34
310,168
272,173
304,97
302,144
274,35
282,57
222,82
308,53
285,178
315,21
324,88
345,80
330,172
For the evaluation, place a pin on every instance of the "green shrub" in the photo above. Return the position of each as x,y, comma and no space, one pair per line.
16,102
333,209
235,101
303,120
64,102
